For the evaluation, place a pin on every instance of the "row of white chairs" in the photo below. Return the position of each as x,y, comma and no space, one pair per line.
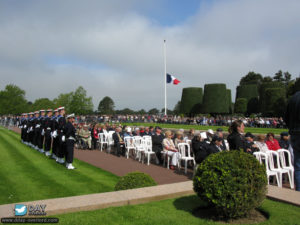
140,146
277,163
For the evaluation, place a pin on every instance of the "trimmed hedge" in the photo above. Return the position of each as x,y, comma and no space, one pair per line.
247,91
275,100
191,100
240,105
231,182
215,99
262,94
135,180
229,100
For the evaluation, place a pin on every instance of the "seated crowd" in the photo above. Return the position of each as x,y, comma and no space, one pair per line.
163,145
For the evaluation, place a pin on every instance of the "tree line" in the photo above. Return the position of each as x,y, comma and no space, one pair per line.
255,94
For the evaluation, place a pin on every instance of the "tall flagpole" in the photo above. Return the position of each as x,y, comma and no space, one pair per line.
165,76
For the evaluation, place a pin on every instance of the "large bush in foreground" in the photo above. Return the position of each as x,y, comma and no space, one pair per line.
232,182
134,180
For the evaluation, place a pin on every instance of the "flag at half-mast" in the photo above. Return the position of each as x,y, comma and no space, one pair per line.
172,79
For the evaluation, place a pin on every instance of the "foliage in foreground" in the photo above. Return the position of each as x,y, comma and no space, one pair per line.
232,182
135,180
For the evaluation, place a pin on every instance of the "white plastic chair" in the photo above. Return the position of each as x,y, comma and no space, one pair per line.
129,145
148,150
166,156
276,167
102,138
185,152
140,147
282,158
263,159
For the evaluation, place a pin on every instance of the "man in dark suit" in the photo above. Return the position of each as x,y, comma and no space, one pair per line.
220,134
215,145
118,141
157,146
250,147
284,140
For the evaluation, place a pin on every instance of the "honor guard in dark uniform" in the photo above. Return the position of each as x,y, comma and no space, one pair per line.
48,126
41,133
36,129
55,143
70,140
61,135
30,130
22,126
25,128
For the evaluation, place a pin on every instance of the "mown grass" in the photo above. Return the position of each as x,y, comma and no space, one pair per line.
27,175
173,211
253,130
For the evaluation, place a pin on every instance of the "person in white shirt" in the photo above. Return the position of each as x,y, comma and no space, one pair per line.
261,143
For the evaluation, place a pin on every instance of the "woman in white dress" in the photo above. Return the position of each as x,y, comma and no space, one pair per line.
170,149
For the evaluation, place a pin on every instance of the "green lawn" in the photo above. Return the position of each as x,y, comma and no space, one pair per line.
26,174
172,211
199,127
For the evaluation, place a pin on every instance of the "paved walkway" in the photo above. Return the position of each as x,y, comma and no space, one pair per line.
121,166
131,197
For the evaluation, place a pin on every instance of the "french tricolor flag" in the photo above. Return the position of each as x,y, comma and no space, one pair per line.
171,78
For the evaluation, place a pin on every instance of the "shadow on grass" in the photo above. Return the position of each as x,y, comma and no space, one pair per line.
201,210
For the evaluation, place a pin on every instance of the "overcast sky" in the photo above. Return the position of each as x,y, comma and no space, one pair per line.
115,48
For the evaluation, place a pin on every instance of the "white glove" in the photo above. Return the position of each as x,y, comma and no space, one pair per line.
54,134
21,127
43,132
63,138
37,126
25,126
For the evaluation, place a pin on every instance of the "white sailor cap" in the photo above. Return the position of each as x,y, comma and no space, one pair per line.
55,110
36,112
71,116
61,108
49,110
42,110
31,113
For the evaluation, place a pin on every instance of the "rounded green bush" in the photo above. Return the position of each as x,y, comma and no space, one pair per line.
134,180
232,182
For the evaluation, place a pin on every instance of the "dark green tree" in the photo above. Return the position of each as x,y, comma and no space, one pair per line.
240,105
278,76
106,106
141,112
125,111
251,78
12,100
274,96
153,111
267,79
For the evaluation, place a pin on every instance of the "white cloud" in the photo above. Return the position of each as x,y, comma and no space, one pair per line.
115,51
